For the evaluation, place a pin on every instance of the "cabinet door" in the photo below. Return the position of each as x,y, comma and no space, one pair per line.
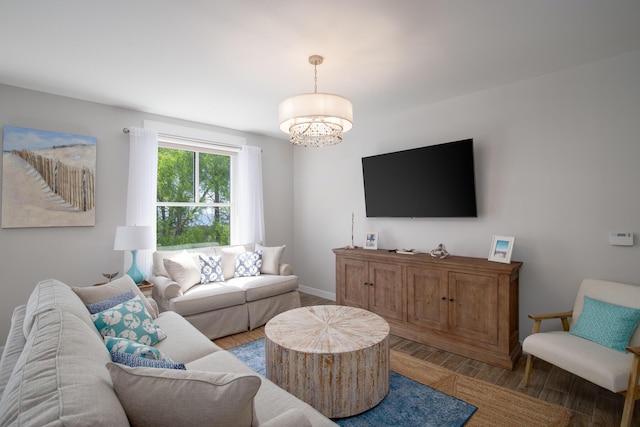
352,290
473,311
385,290
427,298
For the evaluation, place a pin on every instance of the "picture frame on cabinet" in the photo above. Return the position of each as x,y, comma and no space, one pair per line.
501,249
371,240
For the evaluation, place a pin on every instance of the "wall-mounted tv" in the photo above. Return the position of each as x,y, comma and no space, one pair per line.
436,181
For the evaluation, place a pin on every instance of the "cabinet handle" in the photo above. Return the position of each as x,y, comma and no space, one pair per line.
443,298
451,299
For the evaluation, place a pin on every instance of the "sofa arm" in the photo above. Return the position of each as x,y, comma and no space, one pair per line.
286,270
165,288
292,417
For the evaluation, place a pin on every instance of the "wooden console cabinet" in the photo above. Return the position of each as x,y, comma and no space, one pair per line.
467,306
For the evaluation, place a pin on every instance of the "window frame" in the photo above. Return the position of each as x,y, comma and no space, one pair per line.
198,146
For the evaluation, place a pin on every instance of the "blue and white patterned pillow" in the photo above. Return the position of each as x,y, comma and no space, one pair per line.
111,302
607,324
248,264
123,345
135,361
211,269
130,320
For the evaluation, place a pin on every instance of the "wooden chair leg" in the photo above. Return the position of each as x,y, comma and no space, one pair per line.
528,369
633,393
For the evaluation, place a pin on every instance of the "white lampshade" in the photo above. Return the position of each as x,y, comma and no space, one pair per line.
315,119
133,237
309,106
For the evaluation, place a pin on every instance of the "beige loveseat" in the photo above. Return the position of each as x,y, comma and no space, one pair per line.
229,304
55,370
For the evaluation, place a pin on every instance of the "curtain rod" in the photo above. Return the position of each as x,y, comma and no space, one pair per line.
126,131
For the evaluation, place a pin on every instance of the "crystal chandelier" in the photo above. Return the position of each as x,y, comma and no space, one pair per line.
315,119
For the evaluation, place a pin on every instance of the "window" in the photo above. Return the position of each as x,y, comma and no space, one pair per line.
194,205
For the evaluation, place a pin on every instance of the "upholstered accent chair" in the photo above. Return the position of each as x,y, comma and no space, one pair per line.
600,340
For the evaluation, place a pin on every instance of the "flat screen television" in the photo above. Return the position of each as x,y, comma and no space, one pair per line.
436,181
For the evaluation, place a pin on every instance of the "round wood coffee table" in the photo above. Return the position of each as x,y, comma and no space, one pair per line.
335,358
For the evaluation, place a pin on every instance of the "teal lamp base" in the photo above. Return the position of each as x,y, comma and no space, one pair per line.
134,272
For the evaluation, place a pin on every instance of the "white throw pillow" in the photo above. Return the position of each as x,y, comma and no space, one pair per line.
271,258
183,270
229,260
198,398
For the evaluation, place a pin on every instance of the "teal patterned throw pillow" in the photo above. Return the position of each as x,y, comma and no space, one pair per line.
123,345
607,324
248,264
211,269
129,320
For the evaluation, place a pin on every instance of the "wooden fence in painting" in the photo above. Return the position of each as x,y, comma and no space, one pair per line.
75,185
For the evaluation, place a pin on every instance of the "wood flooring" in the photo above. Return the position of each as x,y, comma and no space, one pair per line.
590,405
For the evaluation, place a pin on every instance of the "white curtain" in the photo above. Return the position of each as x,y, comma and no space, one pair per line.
249,205
142,189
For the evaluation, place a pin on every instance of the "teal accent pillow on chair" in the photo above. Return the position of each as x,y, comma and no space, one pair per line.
607,324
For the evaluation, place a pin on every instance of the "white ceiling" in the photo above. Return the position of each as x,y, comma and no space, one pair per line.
230,62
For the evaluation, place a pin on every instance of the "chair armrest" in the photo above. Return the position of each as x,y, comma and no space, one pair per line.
634,350
286,270
538,318
165,288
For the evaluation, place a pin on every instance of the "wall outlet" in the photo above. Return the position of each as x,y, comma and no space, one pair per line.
621,239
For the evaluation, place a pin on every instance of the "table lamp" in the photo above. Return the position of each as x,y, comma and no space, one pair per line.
133,238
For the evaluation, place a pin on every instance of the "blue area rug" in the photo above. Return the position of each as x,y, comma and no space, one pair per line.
408,403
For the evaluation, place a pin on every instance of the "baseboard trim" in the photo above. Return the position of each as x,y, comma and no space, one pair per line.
317,292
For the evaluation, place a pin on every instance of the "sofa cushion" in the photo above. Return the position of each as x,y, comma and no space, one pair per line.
123,345
199,397
229,260
203,298
265,286
248,264
61,377
94,294
271,258
607,324
210,269
130,320
13,347
111,302
49,294
183,269
185,343
271,400
133,361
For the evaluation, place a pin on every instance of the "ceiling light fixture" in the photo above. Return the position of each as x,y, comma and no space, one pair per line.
315,119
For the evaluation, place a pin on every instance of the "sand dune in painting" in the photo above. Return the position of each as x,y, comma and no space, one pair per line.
28,202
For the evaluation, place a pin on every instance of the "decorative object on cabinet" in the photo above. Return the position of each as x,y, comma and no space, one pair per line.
440,252
371,240
463,305
501,248
351,246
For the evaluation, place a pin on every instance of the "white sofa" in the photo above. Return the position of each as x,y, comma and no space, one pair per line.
56,370
232,304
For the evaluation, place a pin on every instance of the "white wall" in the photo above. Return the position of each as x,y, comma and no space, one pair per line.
79,255
557,166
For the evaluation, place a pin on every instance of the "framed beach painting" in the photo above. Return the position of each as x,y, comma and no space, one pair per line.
48,178
501,248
